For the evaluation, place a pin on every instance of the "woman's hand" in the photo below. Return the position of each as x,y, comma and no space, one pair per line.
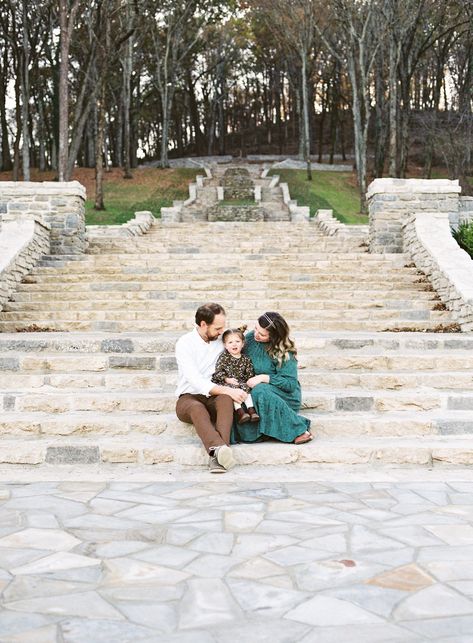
231,380
258,379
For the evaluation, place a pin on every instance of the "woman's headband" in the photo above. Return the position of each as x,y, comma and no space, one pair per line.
269,320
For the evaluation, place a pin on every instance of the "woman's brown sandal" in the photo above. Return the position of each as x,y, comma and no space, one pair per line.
304,437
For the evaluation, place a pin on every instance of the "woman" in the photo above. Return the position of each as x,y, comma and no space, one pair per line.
276,391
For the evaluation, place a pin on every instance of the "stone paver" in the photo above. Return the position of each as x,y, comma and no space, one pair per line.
302,556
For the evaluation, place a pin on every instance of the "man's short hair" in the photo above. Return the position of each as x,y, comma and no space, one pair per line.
207,313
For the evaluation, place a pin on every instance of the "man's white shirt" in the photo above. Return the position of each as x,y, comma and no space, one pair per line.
196,361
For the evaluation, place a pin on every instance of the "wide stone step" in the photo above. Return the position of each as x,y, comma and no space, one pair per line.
145,326
113,354
148,304
338,247
54,401
278,266
301,254
336,424
361,343
349,299
324,317
136,448
351,382
191,274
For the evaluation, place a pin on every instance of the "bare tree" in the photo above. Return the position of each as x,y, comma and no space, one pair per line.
354,34
67,15
293,24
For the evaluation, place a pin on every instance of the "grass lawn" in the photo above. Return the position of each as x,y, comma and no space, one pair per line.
149,189
335,191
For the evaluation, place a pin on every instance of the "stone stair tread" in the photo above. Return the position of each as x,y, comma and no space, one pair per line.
385,416
186,451
359,340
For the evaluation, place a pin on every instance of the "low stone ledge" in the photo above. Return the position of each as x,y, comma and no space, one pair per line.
38,190
413,186
428,240
22,244
327,223
138,226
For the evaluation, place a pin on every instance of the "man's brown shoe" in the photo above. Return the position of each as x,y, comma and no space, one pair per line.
242,416
254,417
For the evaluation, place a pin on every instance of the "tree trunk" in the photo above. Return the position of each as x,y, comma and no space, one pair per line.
25,95
41,133
127,71
305,111
99,200
199,141
393,110
6,161
380,123
166,101
16,145
360,146
63,93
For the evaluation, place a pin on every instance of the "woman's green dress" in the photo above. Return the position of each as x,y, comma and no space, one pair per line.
278,402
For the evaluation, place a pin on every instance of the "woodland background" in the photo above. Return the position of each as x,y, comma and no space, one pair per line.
100,83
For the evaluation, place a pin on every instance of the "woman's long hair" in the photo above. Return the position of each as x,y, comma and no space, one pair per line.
280,345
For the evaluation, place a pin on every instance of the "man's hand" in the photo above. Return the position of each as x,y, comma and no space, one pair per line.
258,379
236,394
231,380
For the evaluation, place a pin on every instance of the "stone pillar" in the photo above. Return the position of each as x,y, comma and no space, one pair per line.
392,201
61,205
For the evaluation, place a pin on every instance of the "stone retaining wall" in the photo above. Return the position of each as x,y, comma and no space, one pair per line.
235,213
428,240
61,206
22,243
392,201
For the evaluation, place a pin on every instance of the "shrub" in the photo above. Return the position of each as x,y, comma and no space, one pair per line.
464,236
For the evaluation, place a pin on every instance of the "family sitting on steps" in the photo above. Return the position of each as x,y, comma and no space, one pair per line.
215,379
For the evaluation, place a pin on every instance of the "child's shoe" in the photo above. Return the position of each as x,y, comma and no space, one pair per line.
242,416
254,417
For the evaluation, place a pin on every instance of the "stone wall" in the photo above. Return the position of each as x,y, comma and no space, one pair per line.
235,213
61,206
237,184
392,201
466,210
428,240
22,243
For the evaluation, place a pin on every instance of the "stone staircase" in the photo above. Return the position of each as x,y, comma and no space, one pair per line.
271,202
101,387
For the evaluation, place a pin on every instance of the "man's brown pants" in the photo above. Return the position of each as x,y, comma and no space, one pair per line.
212,417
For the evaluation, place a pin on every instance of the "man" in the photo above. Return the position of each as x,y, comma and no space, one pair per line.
208,406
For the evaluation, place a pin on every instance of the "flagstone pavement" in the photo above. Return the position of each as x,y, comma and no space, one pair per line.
259,554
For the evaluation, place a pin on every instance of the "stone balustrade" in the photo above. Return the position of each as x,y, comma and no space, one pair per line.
23,241
61,206
392,201
428,240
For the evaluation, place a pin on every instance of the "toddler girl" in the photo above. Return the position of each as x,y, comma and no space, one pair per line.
234,369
